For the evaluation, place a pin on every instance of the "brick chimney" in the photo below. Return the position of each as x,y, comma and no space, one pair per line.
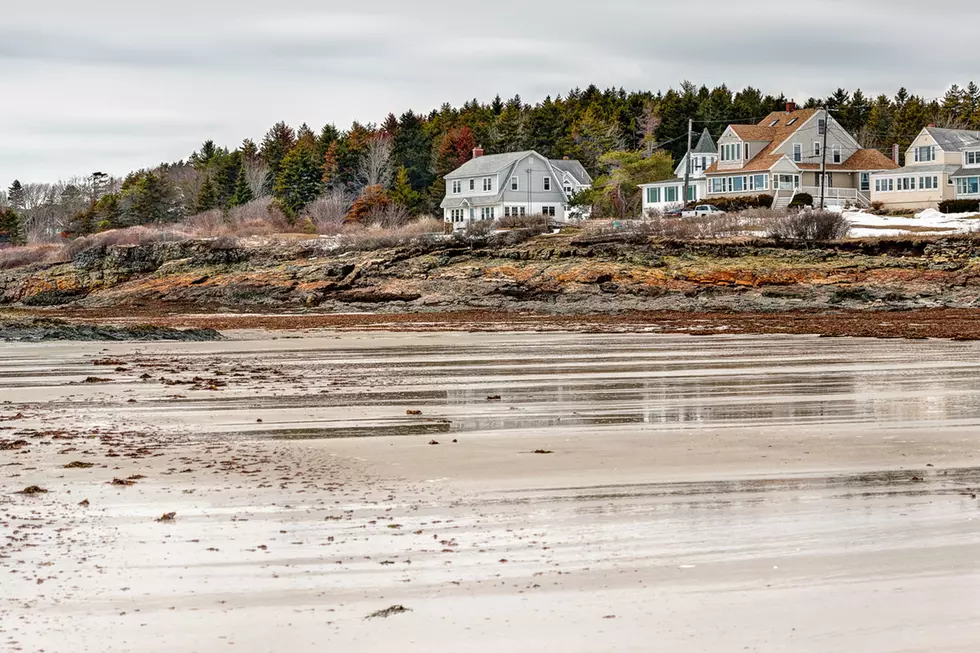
932,124
790,107
895,154
477,152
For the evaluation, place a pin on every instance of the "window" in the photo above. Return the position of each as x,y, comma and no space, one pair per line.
830,180
515,183
456,215
759,182
717,185
487,184
670,194
548,211
821,126
738,184
457,187
968,186
472,184
487,213
653,195
886,185
925,153
929,183
973,158
816,148
522,211
797,152
547,184
692,193
865,181
774,122
792,121
746,156
837,154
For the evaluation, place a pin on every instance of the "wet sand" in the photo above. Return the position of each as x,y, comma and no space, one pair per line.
776,493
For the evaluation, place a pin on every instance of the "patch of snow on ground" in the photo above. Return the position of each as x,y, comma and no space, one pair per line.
883,225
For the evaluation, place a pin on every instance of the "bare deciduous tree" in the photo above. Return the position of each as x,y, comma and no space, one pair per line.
376,167
328,211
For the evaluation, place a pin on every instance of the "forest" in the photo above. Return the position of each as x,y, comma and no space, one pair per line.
318,180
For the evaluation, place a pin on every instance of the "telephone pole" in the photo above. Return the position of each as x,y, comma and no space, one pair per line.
687,164
823,156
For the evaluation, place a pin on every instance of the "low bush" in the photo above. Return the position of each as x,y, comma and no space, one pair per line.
735,204
364,239
800,200
539,222
959,206
807,225
17,257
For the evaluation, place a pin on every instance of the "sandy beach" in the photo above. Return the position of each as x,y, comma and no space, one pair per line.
734,493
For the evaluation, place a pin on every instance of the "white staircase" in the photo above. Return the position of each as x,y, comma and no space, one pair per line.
782,198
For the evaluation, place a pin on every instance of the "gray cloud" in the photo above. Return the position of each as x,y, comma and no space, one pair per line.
107,85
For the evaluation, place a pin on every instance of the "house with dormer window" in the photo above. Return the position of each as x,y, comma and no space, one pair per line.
664,195
940,164
512,184
783,156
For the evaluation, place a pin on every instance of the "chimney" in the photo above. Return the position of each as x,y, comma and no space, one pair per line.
790,107
895,154
932,124
564,158
477,152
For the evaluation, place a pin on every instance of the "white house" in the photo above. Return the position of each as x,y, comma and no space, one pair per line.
940,164
664,195
512,184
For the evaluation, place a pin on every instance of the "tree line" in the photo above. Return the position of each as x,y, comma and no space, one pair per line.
623,138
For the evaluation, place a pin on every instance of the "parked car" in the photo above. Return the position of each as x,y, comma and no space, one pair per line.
675,212
703,210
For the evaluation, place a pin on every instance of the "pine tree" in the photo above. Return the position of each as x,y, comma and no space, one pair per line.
207,198
15,195
278,141
243,192
403,194
11,226
300,179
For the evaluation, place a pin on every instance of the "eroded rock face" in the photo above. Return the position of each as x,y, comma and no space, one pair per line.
558,274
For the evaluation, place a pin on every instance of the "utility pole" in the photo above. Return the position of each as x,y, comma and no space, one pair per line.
823,157
687,164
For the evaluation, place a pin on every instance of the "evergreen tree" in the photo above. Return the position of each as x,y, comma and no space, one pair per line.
412,149
403,194
243,192
278,141
11,226
15,195
207,198
300,178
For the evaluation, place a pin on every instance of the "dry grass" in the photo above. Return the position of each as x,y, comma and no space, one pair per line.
46,254
370,238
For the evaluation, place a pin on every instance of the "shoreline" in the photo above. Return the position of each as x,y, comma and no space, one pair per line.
939,323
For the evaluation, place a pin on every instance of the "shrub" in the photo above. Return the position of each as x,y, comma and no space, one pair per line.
807,225
735,204
328,211
801,199
537,222
959,206
363,239
16,257
878,208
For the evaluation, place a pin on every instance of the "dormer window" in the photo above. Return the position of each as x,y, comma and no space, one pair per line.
973,158
487,184
925,154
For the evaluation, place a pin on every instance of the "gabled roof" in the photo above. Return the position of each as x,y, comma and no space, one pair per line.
573,168
706,144
862,160
488,164
954,140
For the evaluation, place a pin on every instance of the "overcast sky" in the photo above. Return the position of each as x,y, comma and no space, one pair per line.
112,86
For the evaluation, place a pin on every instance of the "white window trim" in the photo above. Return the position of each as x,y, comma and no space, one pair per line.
547,183
797,147
816,148
457,187
515,183
837,154
488,184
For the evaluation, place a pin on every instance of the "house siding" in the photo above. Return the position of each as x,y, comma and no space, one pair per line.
809,134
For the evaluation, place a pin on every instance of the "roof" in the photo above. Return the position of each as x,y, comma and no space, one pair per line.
706,144
488,164
862,160
574,168
954,140
476,201
949,168
760,163
966,172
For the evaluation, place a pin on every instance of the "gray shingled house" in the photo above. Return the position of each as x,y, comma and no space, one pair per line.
512,184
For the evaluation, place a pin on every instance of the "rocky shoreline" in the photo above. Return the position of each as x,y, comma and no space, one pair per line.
553,275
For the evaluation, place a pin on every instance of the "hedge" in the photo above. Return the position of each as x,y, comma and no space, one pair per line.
733,204
959,206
